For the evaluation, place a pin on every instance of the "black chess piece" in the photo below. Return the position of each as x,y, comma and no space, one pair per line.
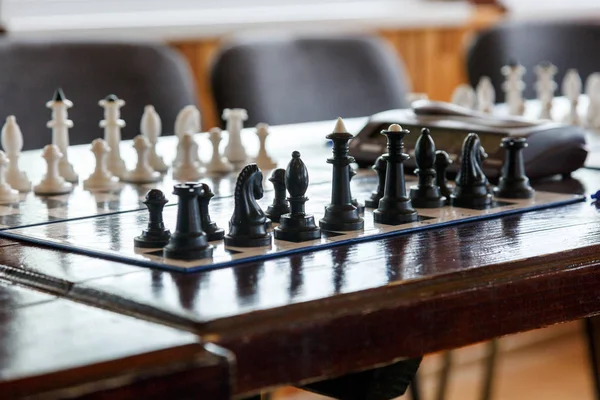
471,183
442,162
247,226
379,167
297,226
395,207
280,205
361,207
155,235
426,194
513,183
341,214
189,241
213,232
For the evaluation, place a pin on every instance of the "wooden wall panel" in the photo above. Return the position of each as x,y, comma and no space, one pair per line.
433,57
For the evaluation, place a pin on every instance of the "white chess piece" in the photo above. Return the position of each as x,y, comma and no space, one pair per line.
151,127
513,87
263,160
217,163
12,143
60,125
7,194
188,169
101,179
235,151
112,124
188,120
592,90
52,183
571,89
545,87
464,96
143,172
486,96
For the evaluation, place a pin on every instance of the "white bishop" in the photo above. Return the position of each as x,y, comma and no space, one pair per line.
12,142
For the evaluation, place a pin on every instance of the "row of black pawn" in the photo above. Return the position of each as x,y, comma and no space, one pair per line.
248,224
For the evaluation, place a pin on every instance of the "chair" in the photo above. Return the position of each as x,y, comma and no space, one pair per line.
565,44
139,73
291,80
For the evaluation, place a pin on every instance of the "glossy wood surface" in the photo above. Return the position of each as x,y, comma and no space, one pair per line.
330,312
56,347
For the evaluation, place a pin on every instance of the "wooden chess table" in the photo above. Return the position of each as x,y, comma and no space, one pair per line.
80,326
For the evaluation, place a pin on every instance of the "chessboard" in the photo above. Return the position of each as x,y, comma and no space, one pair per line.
111,236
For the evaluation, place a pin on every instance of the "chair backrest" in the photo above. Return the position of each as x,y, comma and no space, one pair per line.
139,73
564,44
291,80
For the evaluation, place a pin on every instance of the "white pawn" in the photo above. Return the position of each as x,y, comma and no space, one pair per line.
513,87
235,151
545,87
52,183
60,125
464,96
143,172
217,163
486,96
188,169
7,194
112,124
150,127
101,179
571,89
188,120
592,89
263,160
12,142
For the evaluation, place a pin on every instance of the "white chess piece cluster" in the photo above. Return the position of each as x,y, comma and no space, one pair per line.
112,124
464,96
513,87
592,90
101,179
486,95
151,127
217,164
188,168
52,183
7,193
571,89
60,125
143,171
12,143
545,87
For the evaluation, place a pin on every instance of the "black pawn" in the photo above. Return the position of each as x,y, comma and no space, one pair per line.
426,194
341,214
155,235
213,232
188,242
280,205
355,203
514,184
297,226
471,183
379,167
442,162
395,207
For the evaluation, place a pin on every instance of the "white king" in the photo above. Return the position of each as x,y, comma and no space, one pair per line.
60,125
112,124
